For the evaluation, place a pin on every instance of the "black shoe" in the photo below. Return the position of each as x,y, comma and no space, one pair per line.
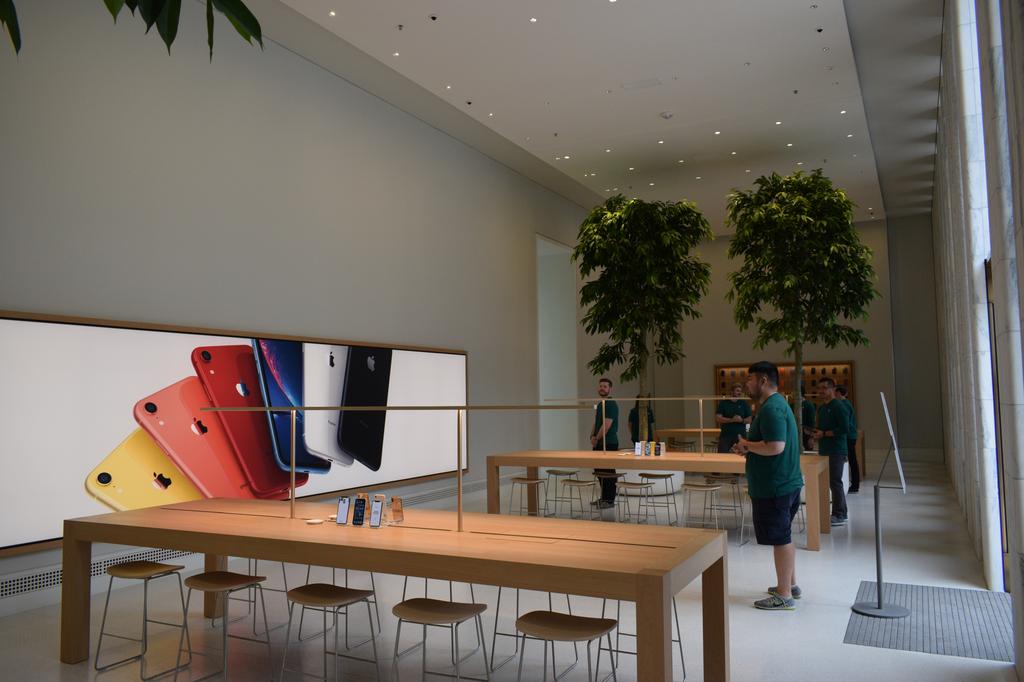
853,491
605,504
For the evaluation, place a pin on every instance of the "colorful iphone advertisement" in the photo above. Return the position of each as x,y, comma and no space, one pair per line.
97,419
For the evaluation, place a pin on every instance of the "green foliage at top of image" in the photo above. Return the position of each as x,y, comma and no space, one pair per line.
164,14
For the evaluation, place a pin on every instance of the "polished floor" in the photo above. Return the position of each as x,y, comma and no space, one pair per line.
926,543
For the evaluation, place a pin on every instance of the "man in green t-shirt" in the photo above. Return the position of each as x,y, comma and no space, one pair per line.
774,480
851,439
732,417
605,436
831,435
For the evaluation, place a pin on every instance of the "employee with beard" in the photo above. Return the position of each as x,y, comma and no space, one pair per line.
605,436
774,480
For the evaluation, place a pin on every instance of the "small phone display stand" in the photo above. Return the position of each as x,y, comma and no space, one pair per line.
879,609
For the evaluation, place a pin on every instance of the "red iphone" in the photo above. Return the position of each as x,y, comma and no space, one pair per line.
228,373
194,440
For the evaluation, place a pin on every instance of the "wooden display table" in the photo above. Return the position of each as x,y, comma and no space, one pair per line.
814,467
647,565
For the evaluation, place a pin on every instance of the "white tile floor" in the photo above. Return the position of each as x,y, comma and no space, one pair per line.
925,540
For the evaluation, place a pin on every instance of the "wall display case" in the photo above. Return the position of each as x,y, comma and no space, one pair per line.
840,372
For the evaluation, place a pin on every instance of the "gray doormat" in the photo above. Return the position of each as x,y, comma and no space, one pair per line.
942,620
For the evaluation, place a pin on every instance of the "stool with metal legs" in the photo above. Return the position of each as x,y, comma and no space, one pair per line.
710,493
224,583
437,613
734,481
669,503
515,636
576,489
144,571
252,567
334,581
524,484
553,476
451,598
323,597
643,494
677,639
549,626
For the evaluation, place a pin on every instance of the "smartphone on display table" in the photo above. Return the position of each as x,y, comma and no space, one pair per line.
397,511
323,379
279,365
194,439
342,518
229,376
139,474
367,377
359,511
376,511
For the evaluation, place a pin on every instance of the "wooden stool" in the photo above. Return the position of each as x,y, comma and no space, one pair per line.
552,476
334,581
437,613
732,480
224,583
515,636
644,491
577,487
524,484
451,598
549,626
670,501
710,501
324,598
144,571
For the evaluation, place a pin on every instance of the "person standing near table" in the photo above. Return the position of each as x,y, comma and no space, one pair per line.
807,415
831,435
633,419
851,440
605,436
732,417
774,480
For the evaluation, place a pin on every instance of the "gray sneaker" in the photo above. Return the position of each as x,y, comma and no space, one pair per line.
795,591
837,521
775,603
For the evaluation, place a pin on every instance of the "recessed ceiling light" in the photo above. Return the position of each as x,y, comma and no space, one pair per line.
789,144
615,189
651,184
698,177
747,171
870,209
631,168
558,158
799,163
855,156
533,20
447,87
611,0
607,150
778,123
850,135
718,132
395,54
661,141
491,115
733,153
566,156
681,161
843,111
607,190
333,13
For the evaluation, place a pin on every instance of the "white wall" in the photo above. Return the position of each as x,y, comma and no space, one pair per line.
556,342
260,192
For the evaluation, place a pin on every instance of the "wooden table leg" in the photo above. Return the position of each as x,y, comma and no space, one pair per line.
211,603
824,490
493,487
715,605
654,627
74,599
812,509
531,495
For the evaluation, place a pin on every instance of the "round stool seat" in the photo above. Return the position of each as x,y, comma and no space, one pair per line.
523,480
561,627
702,487
324,595
562,472
656,477
578,484
608,474
721,481
425,611
221,581
140,570
629,485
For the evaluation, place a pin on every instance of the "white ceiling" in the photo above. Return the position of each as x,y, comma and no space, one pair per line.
600,73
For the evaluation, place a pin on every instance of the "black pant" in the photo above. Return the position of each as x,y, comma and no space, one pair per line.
725,442
608,485
851,451
835,484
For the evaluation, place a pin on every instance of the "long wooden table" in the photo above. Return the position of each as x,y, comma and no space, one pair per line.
814,467
647,565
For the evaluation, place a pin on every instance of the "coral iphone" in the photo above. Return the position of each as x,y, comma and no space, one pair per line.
194,440
228,374
139,474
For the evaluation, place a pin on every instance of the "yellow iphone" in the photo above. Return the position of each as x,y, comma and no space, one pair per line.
138,474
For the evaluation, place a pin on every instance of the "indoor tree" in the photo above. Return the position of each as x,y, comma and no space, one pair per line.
805,272
164,14
647,281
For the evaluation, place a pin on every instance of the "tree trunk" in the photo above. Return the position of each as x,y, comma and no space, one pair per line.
642,406
798,401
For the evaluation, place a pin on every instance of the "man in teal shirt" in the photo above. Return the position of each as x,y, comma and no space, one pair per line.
773,480
831,435
851,440
732,417
605,436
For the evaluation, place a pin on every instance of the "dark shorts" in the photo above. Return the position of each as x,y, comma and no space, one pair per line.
773,518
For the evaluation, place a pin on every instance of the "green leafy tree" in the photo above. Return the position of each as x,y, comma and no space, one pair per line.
647,282
164,14
805,272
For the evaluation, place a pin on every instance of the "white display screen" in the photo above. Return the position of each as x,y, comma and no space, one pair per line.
100,418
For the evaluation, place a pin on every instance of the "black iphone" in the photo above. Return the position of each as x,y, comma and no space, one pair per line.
359,511
367,375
